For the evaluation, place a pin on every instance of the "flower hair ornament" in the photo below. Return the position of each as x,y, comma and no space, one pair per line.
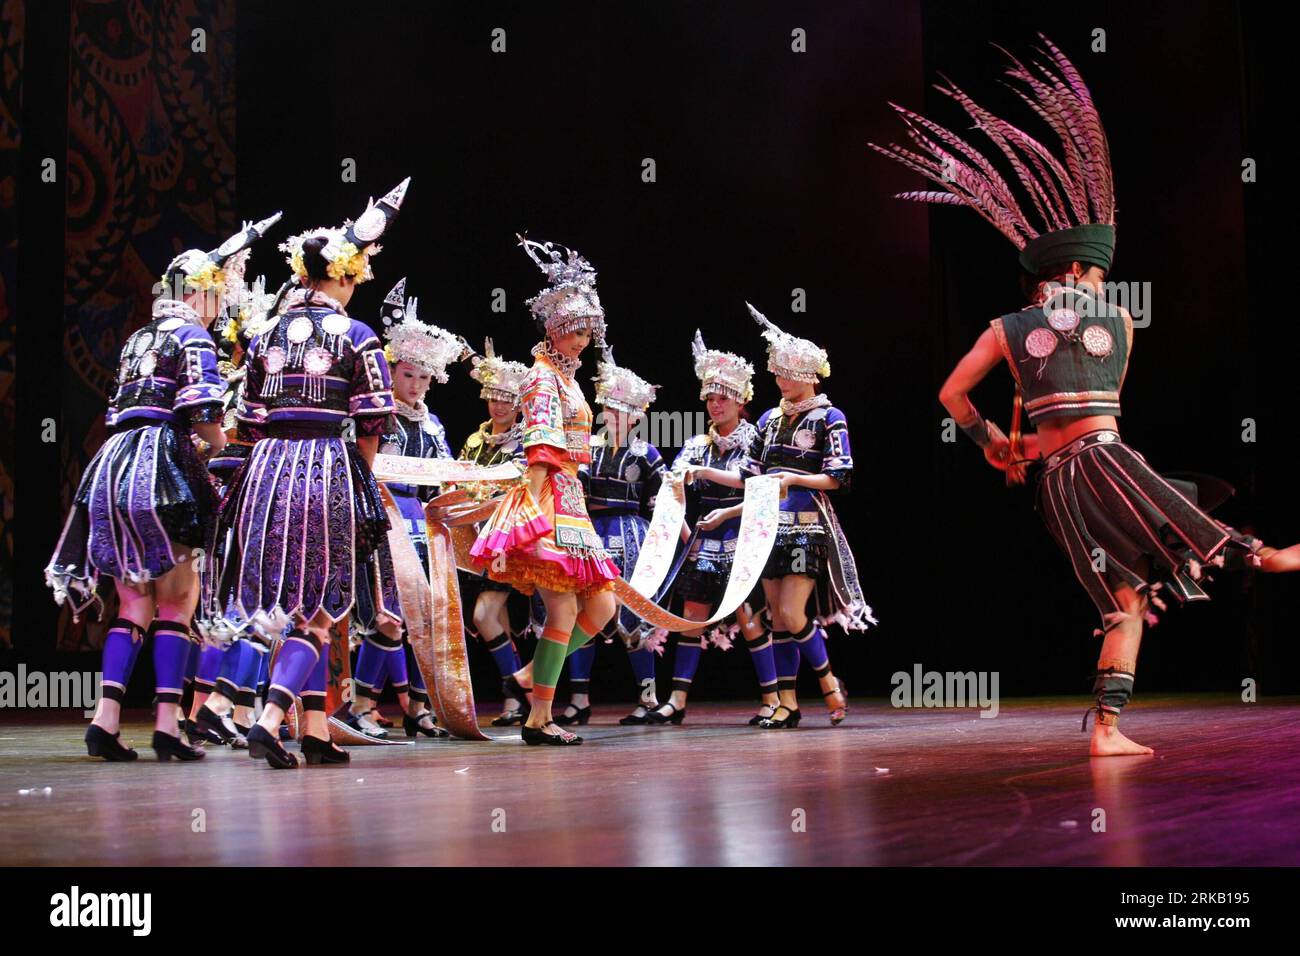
789,356
195,269
570,301
502,380
427,347
722,373
348,248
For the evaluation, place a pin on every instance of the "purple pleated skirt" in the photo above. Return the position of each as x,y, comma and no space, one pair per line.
303,530
143,496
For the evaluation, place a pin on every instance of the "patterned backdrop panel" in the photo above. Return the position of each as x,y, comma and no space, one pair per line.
151,171
11,65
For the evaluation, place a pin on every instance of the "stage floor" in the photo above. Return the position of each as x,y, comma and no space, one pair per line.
888,787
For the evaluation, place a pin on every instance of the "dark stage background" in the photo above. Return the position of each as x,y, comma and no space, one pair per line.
764,184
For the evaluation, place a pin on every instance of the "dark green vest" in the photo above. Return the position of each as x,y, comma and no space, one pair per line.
1070,366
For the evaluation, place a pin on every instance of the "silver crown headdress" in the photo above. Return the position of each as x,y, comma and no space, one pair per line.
790,356
247,306
425,346
722,373
348,248
502,380
571,301
196,269
1074,195
620,388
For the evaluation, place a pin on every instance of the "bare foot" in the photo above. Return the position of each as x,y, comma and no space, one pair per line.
1109,742
1277,562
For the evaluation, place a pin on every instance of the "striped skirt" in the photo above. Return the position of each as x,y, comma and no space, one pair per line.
1120,523
303,530
144,493
622,535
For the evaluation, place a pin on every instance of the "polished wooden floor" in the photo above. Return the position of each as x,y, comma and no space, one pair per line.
889,787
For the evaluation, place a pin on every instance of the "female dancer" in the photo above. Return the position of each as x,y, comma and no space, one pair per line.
145,502
726,385
417,353
621,483
1127,531
540,537
806,441
308,526
497,440
221,711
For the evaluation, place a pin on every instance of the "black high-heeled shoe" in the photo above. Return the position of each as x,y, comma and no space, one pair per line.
319,751
412,726
580,716
534,736
197,734
676,717
760,717
632,720
262,744
166,747
791,719
510,687
510,718
211,724
355,722
100,743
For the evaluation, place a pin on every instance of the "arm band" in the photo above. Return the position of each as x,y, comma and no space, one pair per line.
977,430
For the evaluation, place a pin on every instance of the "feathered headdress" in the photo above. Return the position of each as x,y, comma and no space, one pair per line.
195,269
722,373
502,380
1072,197
571,301
790,356
348,248
425,346
620,388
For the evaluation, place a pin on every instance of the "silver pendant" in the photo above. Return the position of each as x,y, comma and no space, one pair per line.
300,330
318,361
1040,343
1098,341
336,324
274,359
1063,320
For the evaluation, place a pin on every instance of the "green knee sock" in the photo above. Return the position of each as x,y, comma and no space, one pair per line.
578,639
548,660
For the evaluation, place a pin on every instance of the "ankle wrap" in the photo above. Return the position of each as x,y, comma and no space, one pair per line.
1112,687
